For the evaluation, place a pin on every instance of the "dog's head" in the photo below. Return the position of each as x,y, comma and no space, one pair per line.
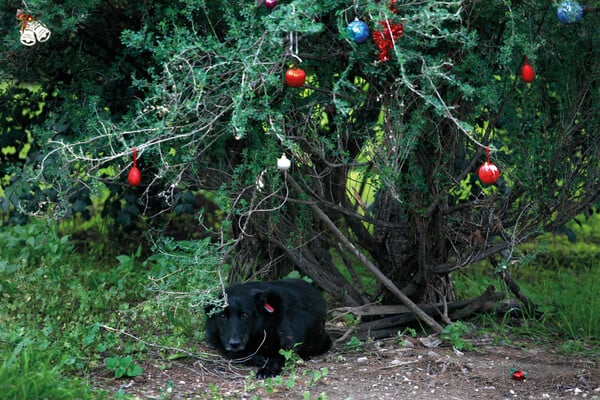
246,314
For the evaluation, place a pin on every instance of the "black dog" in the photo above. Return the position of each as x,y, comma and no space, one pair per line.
260,318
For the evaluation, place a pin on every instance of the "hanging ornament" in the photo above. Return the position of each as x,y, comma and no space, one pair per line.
527,73
295,77
358,31
270,4
488,172
32,29
385,39
283,163
135,177
569,12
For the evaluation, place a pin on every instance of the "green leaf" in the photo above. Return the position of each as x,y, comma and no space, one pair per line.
120,372
134,370
111,363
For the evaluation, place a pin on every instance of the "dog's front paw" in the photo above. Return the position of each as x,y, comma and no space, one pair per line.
267,372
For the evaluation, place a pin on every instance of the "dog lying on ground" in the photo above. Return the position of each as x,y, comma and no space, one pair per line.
260,318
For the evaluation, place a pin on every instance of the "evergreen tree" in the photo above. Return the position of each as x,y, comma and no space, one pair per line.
385,137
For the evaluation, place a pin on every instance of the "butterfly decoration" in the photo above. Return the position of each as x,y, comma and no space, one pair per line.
32,29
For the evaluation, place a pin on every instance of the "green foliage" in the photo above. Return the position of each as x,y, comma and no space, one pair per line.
354,344
289,378
568,300
565,297
28,373
180,58
74,310
197,87
455,335
401,335
316,376
32,245
186,274
559,273
65,312
123,367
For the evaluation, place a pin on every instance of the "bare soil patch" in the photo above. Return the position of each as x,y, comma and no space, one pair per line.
382,370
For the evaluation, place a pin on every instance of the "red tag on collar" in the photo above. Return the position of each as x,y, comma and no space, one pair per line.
269,308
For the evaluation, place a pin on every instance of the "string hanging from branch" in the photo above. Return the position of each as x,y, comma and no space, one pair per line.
294,76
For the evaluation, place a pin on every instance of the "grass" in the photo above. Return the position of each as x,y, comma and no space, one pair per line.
63,313
28,373
565,297
572,298
565,290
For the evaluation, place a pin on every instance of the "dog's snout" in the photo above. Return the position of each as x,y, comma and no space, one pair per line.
234,344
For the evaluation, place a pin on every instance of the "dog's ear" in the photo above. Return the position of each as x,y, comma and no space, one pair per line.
267,301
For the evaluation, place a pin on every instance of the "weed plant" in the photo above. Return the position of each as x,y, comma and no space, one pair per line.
27,373
68,314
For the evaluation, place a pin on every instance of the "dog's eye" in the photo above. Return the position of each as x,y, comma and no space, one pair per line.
244,316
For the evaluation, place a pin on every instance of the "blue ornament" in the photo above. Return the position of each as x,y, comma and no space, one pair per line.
569,12
358,31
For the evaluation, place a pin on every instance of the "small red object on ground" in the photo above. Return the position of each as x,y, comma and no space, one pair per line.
518,375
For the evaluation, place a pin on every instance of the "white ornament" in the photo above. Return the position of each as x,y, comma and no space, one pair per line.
283,163
32,30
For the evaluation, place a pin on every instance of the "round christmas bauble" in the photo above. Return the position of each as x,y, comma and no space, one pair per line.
270,3
135,177
295,77
358,31
488,173
527,73
283,163
569,12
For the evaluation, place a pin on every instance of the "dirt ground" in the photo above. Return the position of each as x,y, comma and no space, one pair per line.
389,369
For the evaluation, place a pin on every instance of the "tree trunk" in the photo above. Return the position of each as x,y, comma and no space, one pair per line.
269,251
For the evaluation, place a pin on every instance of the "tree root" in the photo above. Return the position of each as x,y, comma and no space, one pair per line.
386,321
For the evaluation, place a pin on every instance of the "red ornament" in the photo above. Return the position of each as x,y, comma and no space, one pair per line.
527,73
519,375
488,172
385,39
392,6
295,77
135,177
270,3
